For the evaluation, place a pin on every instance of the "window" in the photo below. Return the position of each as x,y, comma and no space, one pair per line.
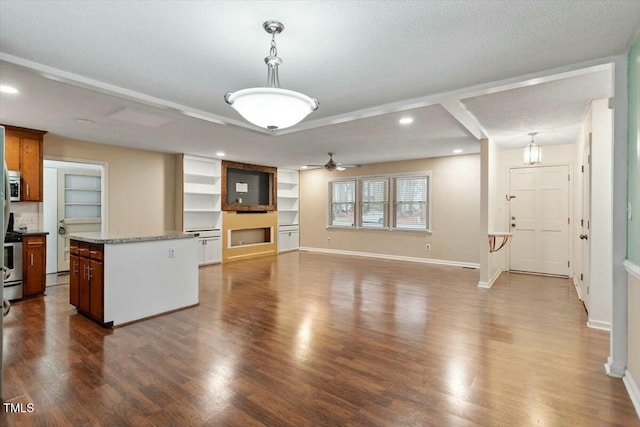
342,197
411,202
374,198
395,202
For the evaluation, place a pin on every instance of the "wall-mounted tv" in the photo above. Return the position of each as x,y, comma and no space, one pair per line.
246,187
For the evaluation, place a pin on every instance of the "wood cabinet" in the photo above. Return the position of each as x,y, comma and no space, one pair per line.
24,153
34,260
86,279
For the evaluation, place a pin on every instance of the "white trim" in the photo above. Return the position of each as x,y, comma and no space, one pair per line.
632,269
392,257
104,170
492,280
633,390
600,325
577,286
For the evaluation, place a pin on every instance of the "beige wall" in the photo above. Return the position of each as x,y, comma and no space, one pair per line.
140,184
455,212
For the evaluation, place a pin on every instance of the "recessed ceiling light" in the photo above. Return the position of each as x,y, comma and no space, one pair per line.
8,89
304,167
406,120
220,153
457,151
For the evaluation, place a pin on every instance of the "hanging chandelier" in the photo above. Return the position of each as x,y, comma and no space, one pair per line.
271,107
532,152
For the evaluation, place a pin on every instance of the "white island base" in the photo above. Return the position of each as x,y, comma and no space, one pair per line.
143,276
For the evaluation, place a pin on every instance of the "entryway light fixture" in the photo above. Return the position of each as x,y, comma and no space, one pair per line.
532,152
271,107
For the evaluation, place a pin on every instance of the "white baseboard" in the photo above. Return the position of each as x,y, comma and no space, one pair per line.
577,286
598,324
393,257
489,284
633,390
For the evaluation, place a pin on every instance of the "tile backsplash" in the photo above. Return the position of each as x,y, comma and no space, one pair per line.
27,214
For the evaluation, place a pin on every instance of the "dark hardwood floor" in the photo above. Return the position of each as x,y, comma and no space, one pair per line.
315,339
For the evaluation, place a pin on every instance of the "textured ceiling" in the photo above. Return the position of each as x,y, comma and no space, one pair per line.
365,61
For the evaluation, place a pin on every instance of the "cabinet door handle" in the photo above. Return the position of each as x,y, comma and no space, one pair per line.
89,272
31,260
75,264
27,189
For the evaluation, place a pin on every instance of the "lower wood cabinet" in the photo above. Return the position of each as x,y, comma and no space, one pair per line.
86,279
34,260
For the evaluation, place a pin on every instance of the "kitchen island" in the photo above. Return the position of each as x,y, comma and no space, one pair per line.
117,279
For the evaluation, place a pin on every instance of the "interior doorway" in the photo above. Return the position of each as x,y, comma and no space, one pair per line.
539,219
73,202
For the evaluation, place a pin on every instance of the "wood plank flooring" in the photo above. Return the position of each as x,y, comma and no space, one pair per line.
316,339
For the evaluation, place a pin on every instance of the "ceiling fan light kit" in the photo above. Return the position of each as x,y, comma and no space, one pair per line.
532,152
272,107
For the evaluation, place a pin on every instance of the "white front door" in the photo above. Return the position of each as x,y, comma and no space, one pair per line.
79,207
539,216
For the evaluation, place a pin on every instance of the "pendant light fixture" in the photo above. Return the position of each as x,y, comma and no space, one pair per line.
532,152
271,107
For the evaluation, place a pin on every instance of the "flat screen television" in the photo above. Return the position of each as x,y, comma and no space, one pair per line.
249,188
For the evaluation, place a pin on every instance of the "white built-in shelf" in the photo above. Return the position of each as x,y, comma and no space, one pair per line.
82,189
288,215
82,204
201,193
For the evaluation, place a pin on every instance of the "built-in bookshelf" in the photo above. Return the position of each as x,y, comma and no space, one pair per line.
201,192
288,210
288,197
201,205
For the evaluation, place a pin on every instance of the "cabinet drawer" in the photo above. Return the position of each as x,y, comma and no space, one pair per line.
96,252
73,247
33,241
83,249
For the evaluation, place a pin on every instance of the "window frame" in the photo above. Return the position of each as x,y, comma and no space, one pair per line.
393,215
331,203
390,208
386,203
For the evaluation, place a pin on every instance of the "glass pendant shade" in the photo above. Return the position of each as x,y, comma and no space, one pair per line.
271,107
532,152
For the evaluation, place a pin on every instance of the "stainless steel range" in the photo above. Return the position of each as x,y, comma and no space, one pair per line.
13,266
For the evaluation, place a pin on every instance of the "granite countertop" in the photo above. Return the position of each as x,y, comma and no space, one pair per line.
115,238
32,232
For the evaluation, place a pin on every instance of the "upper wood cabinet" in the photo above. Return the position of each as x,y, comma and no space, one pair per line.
24,153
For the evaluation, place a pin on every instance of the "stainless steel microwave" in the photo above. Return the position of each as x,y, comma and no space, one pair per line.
14,184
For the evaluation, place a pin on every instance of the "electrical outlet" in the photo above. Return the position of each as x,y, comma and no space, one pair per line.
172,253
427,246
328,239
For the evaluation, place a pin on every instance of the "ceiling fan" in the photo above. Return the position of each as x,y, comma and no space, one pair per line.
331,165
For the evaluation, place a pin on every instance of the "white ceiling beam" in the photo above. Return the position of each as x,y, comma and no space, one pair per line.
526,80
465,118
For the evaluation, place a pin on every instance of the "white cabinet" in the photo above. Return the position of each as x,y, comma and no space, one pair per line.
209,248
288,194
288,239
201,194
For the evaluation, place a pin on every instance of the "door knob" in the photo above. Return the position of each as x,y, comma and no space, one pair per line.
584,237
